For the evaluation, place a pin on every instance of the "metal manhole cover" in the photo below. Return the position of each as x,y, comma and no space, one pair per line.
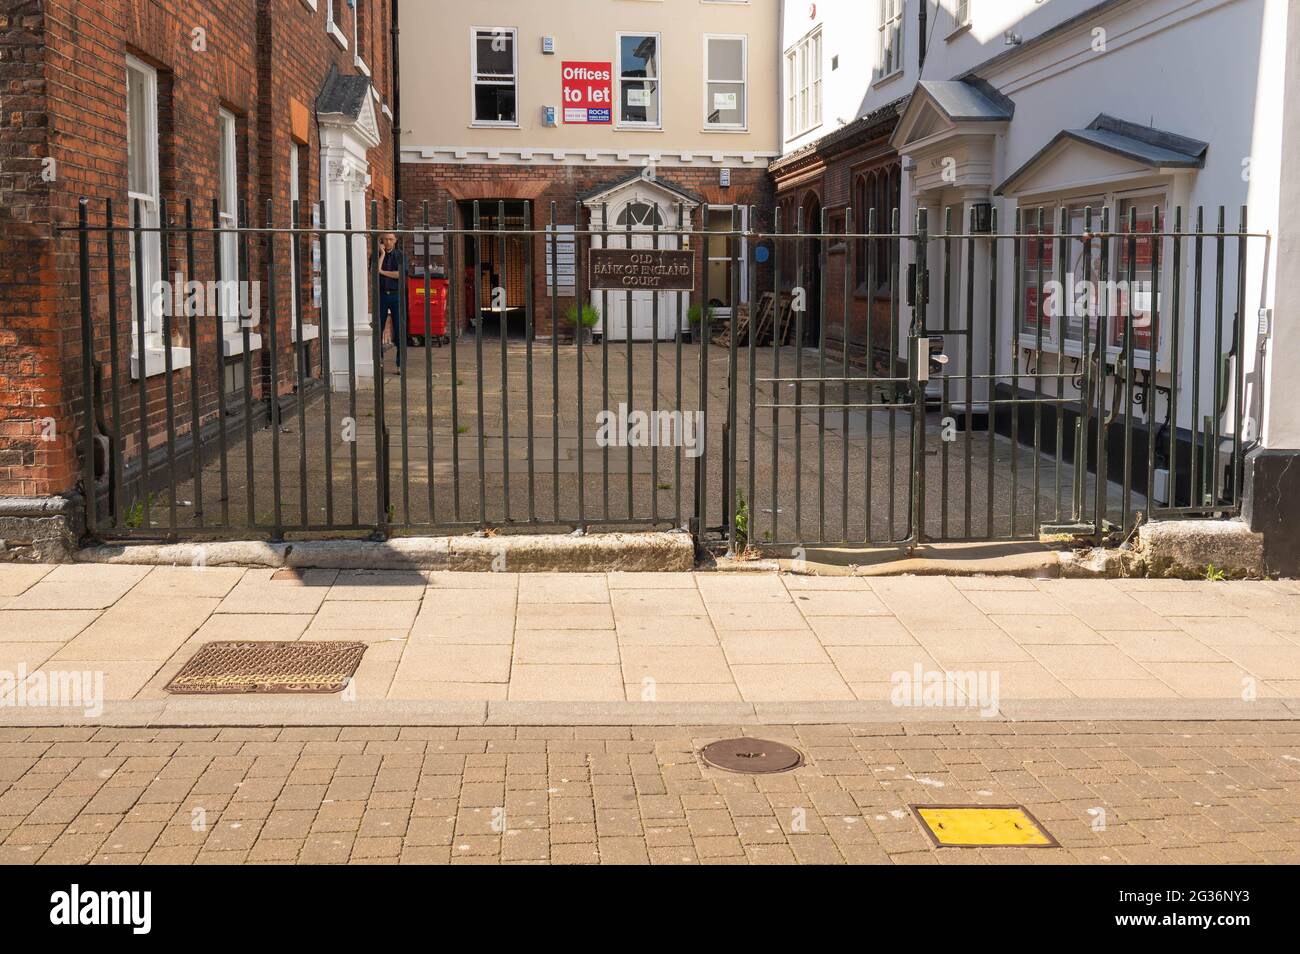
269,667
983,826
751,756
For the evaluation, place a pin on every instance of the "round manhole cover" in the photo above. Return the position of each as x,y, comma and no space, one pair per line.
752,756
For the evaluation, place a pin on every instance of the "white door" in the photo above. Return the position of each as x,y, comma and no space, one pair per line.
637,309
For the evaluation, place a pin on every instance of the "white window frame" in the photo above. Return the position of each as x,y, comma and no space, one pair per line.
743,125
742,259
1057,341
620,122
892,27
149,200
228,216
803,80
357,59
332,26
961,13
474,33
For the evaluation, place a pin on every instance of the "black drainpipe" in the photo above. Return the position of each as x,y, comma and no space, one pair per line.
397,114
920,63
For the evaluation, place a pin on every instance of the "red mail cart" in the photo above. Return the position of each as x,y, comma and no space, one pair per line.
415,330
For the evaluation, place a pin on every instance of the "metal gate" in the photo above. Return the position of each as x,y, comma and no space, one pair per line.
763,409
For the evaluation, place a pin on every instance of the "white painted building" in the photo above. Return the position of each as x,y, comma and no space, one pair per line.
1061,104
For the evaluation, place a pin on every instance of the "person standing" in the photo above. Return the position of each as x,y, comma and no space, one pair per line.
392,268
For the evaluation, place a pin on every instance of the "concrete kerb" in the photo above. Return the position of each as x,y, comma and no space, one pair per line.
524,553
270,711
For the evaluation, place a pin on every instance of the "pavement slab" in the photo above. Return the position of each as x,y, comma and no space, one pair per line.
630,639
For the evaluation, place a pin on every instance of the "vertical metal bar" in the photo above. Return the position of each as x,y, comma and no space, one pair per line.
872,250
751,295
604,358
116,451
1062,253
401,327
778,334
321,236
706,320
895,255
849,264
1175,345
627,352
196,443
969,242
654,385
301,360
1194,471
1216,353
823,228
682,303
1102,482
529,241
1131,276
245,336
1239,360
164,243
991,394
1038,371
1083,431
801,298
502,292
277,531
350,277
89,486
1153,351
555,363
382,469
428,351
946,399
919,345
580,331
733,291
455,311
1017,309
143,301
478,362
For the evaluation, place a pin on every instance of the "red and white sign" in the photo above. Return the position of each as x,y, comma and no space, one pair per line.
588,92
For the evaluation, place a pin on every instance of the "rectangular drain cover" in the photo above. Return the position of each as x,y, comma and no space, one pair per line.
269,667
983,826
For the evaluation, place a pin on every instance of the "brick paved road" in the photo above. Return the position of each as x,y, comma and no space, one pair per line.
1196,792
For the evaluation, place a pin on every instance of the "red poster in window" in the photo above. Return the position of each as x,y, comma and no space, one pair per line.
588,92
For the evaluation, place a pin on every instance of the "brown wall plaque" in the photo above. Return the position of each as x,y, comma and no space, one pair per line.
636,269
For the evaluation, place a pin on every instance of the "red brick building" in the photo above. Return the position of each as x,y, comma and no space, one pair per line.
854,167
232,104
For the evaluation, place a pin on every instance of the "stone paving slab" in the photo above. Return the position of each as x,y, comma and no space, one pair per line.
753,639
1109,792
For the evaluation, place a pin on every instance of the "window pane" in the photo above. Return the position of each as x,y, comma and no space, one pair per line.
638,56
494,103
138,126
1140,293
496,54
726,60
640,101
726,103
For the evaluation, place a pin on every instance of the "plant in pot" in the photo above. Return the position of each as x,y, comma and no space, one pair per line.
694,316
582,320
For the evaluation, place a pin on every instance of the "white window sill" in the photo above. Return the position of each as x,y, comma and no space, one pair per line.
336,35
232,343
887,79
638,127
309,332
360,64
484,124
964,28
724,129
155,361
309,4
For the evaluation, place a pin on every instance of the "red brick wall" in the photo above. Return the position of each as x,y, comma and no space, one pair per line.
68,59
439,183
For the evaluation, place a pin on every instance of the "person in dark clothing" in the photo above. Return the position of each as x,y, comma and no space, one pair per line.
392,268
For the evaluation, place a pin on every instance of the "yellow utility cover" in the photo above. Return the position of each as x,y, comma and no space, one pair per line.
982,826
